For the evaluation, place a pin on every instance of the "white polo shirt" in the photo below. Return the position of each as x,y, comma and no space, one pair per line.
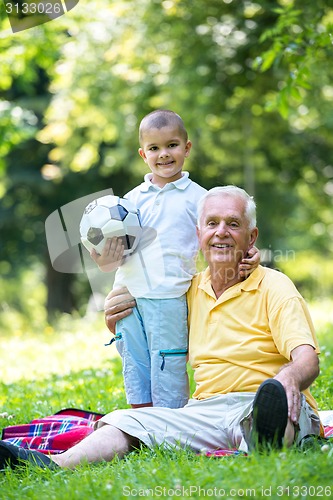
164,263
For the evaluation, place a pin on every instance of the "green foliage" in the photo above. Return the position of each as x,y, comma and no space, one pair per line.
253,82
22,301
16,125
27,62
299,41
311,272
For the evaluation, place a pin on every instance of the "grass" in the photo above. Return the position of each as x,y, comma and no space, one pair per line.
51,369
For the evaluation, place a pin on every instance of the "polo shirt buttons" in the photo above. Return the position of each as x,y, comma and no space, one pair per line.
158,199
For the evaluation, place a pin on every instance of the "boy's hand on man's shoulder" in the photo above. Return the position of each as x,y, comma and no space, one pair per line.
250,263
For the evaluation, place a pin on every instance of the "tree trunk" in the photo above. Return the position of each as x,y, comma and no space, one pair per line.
59,294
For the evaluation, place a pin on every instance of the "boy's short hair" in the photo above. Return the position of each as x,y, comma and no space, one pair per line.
162,118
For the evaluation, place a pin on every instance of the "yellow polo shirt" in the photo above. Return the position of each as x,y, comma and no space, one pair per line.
246,335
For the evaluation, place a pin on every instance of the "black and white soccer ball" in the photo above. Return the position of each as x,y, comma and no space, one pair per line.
108,217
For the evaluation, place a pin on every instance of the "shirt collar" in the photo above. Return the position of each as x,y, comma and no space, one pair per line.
251,283
254,280
181,183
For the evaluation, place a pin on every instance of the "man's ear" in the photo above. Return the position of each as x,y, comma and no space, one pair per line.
253,236
142,154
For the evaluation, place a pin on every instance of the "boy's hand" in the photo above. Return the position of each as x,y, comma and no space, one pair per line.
250,263
111,257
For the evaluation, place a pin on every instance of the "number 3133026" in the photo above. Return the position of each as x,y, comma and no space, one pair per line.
34,8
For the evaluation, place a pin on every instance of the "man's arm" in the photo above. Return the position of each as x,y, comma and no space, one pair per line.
297,376
118,304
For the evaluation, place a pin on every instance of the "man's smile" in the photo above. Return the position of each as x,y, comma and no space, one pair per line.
221,245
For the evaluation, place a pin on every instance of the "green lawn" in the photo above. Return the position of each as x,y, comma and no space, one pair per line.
70,367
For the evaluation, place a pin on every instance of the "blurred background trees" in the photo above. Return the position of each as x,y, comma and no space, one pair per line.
253,82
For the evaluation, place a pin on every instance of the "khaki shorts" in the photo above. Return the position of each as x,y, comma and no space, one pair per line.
213,423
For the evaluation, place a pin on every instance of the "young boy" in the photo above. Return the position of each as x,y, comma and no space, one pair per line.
153,340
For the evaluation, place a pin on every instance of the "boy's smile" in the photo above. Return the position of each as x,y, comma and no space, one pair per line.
164,150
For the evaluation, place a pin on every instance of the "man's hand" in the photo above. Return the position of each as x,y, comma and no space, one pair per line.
111,257
118,304
297,376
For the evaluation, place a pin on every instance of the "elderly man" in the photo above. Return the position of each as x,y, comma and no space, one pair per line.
252,347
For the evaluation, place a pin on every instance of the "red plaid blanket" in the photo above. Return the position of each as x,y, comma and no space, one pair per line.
56,433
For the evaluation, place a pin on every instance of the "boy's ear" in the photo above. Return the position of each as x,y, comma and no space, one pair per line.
188,148
142,154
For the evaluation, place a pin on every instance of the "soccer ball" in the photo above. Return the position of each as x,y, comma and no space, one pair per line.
108,217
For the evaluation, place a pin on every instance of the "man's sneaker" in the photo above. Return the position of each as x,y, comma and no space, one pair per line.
270,415
13,456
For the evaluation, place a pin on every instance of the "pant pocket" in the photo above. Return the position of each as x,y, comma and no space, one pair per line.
170,383
309,422
170,356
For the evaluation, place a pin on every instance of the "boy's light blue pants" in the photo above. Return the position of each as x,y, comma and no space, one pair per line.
153,343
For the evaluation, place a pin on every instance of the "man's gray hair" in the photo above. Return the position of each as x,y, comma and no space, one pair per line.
236,192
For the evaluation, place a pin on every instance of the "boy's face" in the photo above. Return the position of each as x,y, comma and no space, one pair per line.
164,150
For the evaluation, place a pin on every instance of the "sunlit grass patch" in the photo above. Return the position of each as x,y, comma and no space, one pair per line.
322,315
69,346
97,389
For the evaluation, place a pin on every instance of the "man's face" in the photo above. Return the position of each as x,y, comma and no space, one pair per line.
164,150
224,234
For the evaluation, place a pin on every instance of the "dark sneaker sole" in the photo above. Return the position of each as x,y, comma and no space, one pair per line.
13,456
270,415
